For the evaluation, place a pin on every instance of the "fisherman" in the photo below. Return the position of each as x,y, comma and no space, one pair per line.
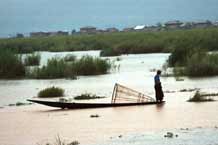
158,88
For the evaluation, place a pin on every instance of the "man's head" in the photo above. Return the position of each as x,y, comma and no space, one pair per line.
158,72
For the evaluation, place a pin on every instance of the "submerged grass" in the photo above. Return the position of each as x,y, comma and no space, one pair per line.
60,141
210,95
51,92
199,97
87,96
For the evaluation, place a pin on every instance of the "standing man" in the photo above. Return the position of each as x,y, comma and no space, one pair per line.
158,88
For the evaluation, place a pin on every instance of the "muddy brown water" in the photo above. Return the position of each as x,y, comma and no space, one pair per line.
29,125
33,124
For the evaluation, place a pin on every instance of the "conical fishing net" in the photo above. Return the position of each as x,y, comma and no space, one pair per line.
122,94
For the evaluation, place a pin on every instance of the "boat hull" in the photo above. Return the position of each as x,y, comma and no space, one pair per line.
73,105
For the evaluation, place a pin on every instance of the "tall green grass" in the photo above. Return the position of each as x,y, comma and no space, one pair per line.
32,60
55,68
70,57
190,53
89,65
202,64
183,44
120,43
196,64
11,65
59,68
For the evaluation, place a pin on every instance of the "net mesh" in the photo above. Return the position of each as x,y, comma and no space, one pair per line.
122,94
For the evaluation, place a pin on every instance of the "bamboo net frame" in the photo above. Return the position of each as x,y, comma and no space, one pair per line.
122,94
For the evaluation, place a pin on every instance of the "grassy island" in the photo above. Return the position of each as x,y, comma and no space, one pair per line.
59,68
51,92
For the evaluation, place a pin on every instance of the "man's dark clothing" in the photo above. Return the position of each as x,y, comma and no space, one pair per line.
158,89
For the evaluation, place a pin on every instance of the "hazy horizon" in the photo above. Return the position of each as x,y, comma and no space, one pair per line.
25,16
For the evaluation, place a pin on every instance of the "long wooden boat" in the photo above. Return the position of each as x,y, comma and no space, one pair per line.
120,93
74,105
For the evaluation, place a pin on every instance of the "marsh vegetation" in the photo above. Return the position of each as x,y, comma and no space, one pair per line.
70,57
202,97
61,141
196,63
51,92
32,60
88,96
119,43
59,68
11,65
189,49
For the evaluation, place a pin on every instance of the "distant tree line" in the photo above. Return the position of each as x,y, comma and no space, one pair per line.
119,43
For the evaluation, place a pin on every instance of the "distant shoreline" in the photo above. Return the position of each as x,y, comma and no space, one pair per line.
170,25
117,43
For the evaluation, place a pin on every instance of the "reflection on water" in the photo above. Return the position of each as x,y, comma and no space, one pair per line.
135,72
160,106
